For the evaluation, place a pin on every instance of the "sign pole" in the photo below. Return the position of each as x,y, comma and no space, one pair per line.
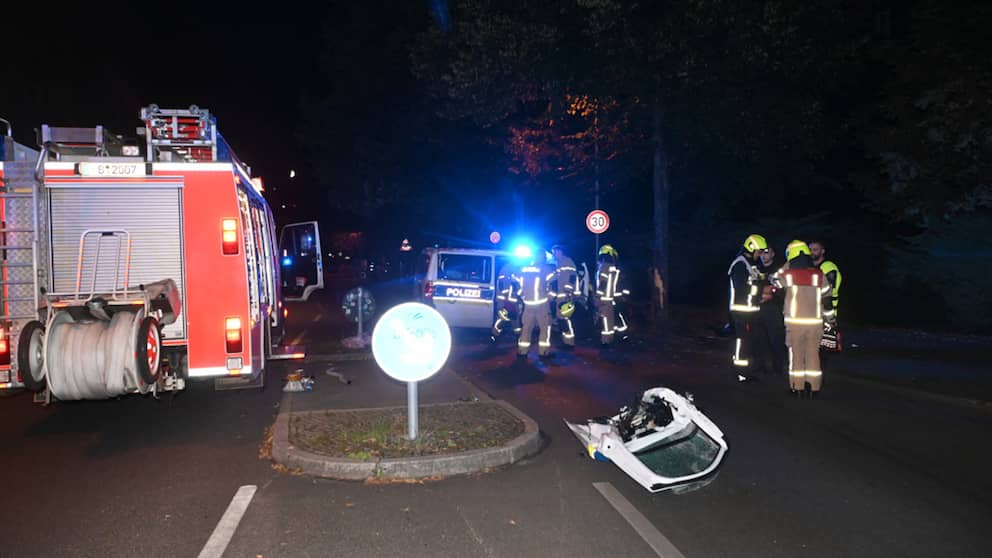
411,405
360,312
411,342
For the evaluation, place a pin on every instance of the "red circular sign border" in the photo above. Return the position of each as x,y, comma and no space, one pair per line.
594,213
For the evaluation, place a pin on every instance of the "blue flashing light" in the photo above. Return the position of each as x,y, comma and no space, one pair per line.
287,261
523,251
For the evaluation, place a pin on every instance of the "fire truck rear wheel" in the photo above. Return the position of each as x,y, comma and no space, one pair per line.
148,350
31,355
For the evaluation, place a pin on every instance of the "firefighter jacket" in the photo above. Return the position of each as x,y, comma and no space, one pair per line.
534,285
566,278
832,274
806,294
505,283
608,286
745,291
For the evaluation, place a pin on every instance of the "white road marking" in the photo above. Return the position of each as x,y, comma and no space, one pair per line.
658,542
222,534
317,318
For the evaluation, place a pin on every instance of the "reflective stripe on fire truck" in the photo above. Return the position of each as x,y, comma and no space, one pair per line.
217,371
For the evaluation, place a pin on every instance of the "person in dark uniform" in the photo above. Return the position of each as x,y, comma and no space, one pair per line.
768,337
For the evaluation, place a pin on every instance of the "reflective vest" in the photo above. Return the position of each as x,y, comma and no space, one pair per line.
832,273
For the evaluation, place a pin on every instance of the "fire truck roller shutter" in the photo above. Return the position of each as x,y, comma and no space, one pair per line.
96,359
152,215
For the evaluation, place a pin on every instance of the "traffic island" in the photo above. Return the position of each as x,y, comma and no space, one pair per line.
356,444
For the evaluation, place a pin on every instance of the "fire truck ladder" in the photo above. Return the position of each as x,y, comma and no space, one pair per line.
20,248
181,135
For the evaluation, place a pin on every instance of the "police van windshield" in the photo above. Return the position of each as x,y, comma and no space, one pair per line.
464,267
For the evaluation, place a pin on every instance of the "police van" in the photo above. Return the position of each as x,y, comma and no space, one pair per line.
460,283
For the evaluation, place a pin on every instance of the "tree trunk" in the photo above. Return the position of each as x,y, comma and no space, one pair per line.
660,188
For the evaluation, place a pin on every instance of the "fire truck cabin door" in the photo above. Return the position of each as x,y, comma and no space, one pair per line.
300,260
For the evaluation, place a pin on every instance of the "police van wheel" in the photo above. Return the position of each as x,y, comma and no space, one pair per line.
148,350
31,355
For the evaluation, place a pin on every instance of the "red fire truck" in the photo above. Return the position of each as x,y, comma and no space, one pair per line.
132,267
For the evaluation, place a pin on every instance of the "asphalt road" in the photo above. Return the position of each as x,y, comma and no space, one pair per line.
863,471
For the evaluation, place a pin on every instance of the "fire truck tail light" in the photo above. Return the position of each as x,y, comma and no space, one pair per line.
4,348
232,332
229,237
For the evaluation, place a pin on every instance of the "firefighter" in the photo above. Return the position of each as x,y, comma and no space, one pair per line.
566,286
608,292
831,336
534,291
745,276
768,330
508,306
806,294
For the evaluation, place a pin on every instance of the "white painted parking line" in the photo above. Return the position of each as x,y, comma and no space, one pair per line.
222,534
651,535
317,318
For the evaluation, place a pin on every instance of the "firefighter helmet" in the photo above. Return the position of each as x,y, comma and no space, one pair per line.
795,248
755,242
566,310
608,250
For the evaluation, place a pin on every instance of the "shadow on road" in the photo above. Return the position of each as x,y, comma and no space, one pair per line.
520,372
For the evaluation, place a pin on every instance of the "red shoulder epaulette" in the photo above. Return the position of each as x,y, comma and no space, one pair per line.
811,277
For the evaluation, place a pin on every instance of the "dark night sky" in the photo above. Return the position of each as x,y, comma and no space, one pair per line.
89,64
246,65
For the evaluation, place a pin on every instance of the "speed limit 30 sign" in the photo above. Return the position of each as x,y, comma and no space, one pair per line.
597,221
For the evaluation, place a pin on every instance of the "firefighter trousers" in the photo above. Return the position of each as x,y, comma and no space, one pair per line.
567,331
512,317
536,316
611,321
498,326
803,341
742,342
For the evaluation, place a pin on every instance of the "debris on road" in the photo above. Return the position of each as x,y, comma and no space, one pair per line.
295,382
663,441
341,377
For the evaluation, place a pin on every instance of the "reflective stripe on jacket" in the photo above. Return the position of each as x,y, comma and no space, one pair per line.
744,292
805,293
608,284
534,285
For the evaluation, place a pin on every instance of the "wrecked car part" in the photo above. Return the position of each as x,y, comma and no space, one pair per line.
662,441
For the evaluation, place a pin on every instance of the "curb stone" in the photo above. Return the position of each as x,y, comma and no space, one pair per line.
337,357
524,445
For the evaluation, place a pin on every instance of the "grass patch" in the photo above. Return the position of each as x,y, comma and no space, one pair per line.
364,435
